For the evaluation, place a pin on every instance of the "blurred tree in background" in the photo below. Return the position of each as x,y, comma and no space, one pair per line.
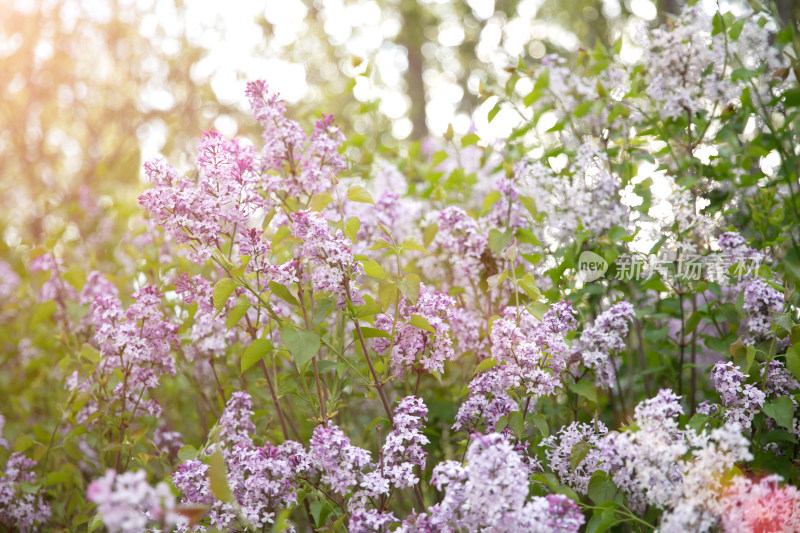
92,88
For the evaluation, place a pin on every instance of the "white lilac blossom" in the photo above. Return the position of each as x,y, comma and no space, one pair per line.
415,348
327,256
742,400
681,471
760,300
370,521
127,503
778,381
603,339
9,281
588,198
685,66
559,453
461,238
490,494
21,510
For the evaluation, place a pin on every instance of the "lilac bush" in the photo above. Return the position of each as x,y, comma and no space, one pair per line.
590,325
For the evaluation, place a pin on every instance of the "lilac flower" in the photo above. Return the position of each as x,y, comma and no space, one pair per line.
488,401
127,503
308,166
21,510
208,334
778,380
460,237
491,494
328,255
370,521
137,341
235,424
338,462
559,453
599,342
403,450
416,348
261,478
741,400
9,281
760,299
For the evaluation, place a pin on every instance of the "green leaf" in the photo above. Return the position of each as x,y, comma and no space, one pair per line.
409,286
486,364
736,28
371,333
516,423
351,228
497,279
222,291
373,269
743,74
584,388
601,521
601,489
302,344
537,309
793,361
357,193
781,410
422,323
692,323
187,453
380,244
469,139
236,314
493,112
616,233
528,284
429,234
282,292
490,200
578,453
541,424
253,353
320,201
791,98
698,421
498,241
410,243
320,512
218,478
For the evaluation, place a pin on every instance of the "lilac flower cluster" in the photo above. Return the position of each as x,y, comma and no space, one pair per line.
21,510
685,66
339,462
403,449
413,347
299,165
461,238
760,299
328,255
559,453
208,328
488,401
533,352
9,281
199,213
261,477
742,400
491,494
127,503
600,341
137,341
